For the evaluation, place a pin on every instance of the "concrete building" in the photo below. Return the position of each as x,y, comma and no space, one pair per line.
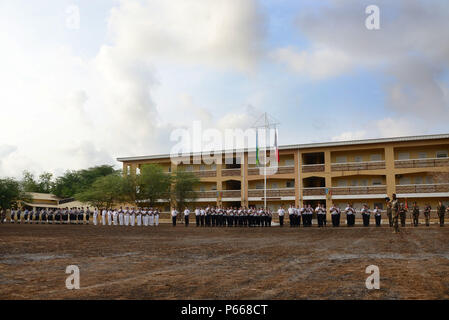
416,168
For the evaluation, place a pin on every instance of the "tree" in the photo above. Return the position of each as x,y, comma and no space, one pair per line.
183,186
10,193
73,182
104,192
153,184
45,183
28,183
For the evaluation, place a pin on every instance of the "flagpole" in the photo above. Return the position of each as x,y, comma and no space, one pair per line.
265,167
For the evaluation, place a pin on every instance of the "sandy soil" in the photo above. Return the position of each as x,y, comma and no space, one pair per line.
222,263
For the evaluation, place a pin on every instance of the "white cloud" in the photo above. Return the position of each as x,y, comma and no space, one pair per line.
319,63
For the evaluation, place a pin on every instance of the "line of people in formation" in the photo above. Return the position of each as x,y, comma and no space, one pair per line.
122,217
222,217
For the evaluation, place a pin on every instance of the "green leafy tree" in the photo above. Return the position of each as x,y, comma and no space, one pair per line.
11,193
153,184
183,188
28,182
45,183
104,192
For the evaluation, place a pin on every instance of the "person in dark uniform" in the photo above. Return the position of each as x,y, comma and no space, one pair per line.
427,211
36,215
197,216
72,215
25,216
415,212
291,216
281,213
44,215
87,215
186,216
334,215
12,216
19,213
377,216
174,214
441,211
202,216
208,217
65,216
350,215
395,207
402,214
389,211
50,216
365,215
57,216
81,216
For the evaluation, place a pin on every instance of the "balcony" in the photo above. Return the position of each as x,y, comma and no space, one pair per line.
336,191
205,173
422,163
235,172
359,190
422,188
356,166
280,170
284,192
206,194
312,168
231,193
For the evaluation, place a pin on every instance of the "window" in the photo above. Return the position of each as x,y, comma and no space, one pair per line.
189,168
274,186
202,188
422,155
354,183
377,182
418,180
137,170
342,183
404,180
376,157
429,179
214,188
403,156
363,182
202,167
358,159
341,159
442,154
128,170
259,186
289,163
213,166
290,184
169,169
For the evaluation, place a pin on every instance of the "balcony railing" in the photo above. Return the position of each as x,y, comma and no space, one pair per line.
356,190
313,167
231,193
231,172
205,173
359,190
284,192
422,188
355,166
206,194
422,163
280,170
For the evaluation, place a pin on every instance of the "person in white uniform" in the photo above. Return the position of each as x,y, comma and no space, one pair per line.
120,216
127,216
115,217
174,214
151,217
156,217
132,217
95,216
186,216
139,217
145,217
281,213
103,216
109,217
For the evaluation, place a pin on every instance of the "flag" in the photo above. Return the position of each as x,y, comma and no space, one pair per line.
276,144
257,147
406,204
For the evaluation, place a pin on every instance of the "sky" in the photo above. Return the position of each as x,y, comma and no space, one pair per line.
83,82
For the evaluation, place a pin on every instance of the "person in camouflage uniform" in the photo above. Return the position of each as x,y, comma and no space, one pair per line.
415,212
427,210
403,214
395,213
389,211
441,210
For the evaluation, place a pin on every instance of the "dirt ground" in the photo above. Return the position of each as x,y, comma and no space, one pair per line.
222,263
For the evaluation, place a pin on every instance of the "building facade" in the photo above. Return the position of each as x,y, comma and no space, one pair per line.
416,168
